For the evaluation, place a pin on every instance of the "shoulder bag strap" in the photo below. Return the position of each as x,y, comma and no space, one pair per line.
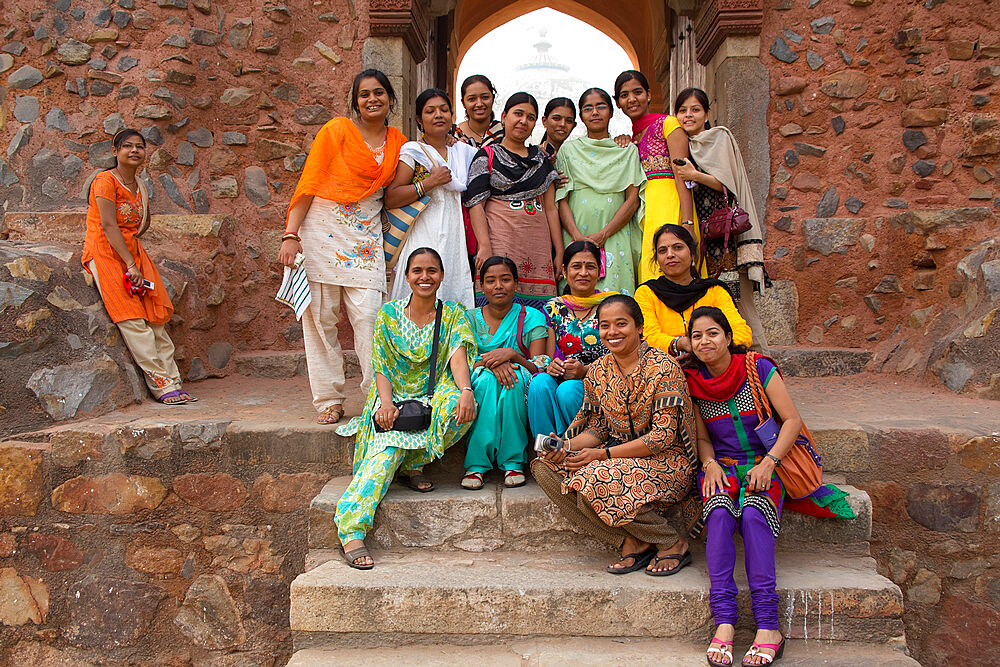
434,163
760,402
489,158
432,377
520,332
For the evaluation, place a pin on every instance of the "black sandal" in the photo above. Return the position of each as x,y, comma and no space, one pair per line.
640,559
415,480
355,554
683,560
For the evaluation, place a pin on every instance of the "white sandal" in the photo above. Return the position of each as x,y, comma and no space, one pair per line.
473,481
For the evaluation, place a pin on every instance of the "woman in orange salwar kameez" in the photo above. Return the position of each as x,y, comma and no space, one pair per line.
117,216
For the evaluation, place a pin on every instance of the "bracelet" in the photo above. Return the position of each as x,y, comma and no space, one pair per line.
569,444
467,389
687,222
672,348
419,188
777,461
705,464
607,452
291,235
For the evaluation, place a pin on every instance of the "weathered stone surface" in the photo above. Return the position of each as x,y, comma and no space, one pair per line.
255,186
924,168
208,616
201,137
26,108
22,484
218,492
145,441
23,599
20,139
926,221
828,203
778,310
239,33
74,52
235,96
225,188
829,235
71,447
924,117
54,553
846,84
807,182
113,493
153,559
945,506
109,613
204,37
24,77
232,138
814,60
914,139
152,111
29,268
266,150
781,51
287,493
66,390
312,115
980,454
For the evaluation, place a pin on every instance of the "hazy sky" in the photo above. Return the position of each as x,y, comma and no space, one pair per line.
594,59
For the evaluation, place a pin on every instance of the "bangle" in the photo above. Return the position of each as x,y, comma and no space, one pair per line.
607,452
777,461
467,389
705,464
290,235
687,222
419,188
569,444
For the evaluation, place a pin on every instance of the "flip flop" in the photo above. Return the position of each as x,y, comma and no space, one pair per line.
188,397
683,560
354,554
725,650
779,650
514,478
414,480
165,398
640,559
473,481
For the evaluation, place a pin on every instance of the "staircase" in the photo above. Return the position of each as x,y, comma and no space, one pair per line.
499,576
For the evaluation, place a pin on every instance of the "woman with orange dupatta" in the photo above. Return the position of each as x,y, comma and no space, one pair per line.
122,270
334,221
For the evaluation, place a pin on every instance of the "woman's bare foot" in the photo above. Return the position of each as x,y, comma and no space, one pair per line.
763,637
629,546
719,653
361,560
663,564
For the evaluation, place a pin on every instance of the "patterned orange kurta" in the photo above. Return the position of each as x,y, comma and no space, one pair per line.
656,395
154,306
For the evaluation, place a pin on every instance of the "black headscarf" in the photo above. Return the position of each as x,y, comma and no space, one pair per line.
681,297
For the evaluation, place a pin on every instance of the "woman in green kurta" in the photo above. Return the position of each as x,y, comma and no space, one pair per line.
404,335
602,200
510,337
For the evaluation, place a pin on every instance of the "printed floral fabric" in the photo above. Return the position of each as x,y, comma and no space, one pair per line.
342,243
574,338
651,404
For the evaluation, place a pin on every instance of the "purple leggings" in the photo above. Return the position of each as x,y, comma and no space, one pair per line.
720,552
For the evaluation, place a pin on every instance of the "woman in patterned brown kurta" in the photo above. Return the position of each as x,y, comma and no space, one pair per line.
629,449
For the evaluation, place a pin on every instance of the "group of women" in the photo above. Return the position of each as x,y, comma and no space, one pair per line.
511,314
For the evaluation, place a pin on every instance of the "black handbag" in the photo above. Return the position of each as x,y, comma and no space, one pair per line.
415,415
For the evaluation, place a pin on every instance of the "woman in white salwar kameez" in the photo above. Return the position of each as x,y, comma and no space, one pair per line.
432,167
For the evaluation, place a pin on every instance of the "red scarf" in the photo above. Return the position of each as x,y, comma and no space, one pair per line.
639,125
722,387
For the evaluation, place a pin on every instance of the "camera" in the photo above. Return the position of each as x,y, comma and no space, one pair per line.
547,443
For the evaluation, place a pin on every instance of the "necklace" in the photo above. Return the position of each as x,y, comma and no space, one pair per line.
409,316
122,178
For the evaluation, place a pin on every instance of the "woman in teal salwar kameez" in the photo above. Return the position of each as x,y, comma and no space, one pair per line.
404,334
510,338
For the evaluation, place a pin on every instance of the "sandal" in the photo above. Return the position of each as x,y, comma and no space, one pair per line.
188,397
683,560
331,415
640,559
173,398
355,554
725,651
473,481
514,478
754,652
415,480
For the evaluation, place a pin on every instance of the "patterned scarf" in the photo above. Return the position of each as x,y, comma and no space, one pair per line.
642,123
585,303
510,178
722,387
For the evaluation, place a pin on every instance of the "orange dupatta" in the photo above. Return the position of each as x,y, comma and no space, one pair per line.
341,167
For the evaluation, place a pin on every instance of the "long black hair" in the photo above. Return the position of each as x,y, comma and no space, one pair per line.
424,251
494,261
554,104
383,81
681,233
428,95
478,78
631,305
119,139
627,76
719,318
699,95
520,98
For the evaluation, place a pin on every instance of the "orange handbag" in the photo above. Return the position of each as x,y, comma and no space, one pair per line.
801,469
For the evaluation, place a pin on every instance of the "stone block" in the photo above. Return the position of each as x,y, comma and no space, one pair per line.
55,554
153,559
926,221
945,506
910,450
113,493
830,235
217,492
22,480
208,617
820,362
981,454
64,391
23,599
779,312
289,492
271,364
166,227
147,441
109,612
846,84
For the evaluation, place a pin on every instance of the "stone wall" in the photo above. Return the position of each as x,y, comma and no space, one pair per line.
936,533
885,143
152,543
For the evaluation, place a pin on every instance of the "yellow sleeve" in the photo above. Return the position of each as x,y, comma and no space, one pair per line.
741,330
669,125
651,331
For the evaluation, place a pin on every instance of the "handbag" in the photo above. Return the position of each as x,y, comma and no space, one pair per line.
801,469
414,414
724,222
398,222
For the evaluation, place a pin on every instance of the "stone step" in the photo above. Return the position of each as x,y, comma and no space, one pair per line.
524,519
601,652
286,364
820,361
422,595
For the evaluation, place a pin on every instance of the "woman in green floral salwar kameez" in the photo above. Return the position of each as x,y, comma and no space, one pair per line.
404,334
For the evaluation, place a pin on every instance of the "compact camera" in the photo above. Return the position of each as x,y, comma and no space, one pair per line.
547,443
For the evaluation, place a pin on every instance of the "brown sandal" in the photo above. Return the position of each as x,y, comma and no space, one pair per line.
331,415
355,554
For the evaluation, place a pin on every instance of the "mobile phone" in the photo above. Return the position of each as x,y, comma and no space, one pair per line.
679,161
547,443
148,284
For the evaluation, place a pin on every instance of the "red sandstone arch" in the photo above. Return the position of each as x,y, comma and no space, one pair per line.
638,26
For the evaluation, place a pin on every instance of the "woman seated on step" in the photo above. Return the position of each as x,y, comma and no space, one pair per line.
739,486
630,448
667,301
555,396
511,337
118,215
421,355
